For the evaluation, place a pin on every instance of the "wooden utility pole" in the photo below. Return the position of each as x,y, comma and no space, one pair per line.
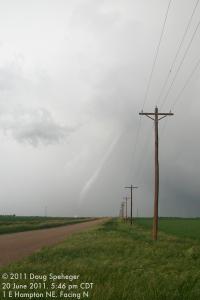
126,202
155,117
131,188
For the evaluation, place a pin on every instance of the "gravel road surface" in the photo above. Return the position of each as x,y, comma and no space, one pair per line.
15,246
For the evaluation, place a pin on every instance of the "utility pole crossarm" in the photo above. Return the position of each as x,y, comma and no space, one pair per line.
129,187
156,114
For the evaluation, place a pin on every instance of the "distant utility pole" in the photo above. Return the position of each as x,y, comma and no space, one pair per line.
155,117
131,188
126,201
122,205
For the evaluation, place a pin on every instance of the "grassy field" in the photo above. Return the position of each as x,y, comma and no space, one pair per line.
10,224
185,228
122,262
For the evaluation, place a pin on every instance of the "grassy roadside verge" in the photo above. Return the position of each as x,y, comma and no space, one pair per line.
19,224
123,262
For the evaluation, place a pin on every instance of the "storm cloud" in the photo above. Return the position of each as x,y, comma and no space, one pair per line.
34,127
73,76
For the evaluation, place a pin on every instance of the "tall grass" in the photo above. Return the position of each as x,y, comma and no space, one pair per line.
124,263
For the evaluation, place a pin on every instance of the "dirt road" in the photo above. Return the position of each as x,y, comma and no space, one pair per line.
18,245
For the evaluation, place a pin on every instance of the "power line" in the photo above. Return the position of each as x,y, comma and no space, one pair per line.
177,53
156,54
150,79
172,66
180,65
151,74
186,83
180,93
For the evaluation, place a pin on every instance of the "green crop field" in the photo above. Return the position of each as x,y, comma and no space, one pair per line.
11,224
185,228
122,262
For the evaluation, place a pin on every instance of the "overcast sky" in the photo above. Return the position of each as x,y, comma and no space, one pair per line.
73,76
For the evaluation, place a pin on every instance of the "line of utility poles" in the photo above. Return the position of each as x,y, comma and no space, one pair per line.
126,202
122,211
131,188
156,116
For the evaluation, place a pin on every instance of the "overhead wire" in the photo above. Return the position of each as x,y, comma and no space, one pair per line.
156,55
176,100
177,53
137,136
179,67
172,66
181,64
178,97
